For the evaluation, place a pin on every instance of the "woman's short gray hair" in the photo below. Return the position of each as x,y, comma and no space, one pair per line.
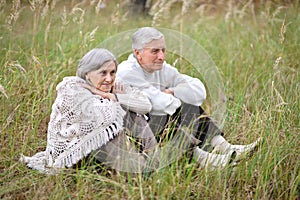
93,60
143,36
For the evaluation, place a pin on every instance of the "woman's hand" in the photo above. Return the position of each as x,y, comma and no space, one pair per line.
105,95
119,88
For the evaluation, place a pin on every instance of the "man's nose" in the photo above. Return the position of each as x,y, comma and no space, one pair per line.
161,54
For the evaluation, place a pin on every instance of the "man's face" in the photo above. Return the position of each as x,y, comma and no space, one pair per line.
152,56
103,78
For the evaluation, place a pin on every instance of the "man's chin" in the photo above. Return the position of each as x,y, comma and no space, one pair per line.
158,66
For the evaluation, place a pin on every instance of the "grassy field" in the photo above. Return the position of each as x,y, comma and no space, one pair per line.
256,49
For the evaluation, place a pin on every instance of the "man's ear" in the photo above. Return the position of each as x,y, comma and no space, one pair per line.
137,53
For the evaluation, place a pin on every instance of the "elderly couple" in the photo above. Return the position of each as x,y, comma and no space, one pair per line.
133,116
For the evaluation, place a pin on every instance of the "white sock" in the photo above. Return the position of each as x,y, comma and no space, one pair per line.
222,146
240,149
220,142
212,160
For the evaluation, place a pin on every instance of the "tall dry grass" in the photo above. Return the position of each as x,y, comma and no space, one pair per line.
255,45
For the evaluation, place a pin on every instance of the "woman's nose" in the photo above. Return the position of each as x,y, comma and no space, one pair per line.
109,77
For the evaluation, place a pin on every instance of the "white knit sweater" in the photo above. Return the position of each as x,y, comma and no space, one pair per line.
81,122
186,89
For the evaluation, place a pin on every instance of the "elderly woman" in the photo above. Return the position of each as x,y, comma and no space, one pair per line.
88,119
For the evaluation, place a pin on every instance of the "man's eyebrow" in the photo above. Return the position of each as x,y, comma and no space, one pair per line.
154,47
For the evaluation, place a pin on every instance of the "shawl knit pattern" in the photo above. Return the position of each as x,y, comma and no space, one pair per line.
80,122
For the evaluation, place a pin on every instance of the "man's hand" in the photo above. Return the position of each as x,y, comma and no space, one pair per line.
169,91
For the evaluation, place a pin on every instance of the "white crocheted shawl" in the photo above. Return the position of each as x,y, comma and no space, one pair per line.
80,122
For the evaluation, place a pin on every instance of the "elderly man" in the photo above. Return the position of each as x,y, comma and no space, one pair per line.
176,97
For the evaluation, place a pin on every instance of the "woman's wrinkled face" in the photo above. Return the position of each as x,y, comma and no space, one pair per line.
103,78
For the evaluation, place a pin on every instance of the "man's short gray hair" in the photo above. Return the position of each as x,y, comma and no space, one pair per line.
93,60
143,36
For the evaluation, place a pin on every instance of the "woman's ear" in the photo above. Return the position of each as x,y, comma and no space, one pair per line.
87,76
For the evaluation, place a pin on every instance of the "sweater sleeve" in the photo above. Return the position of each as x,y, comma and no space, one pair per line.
196,91
162,103
132,98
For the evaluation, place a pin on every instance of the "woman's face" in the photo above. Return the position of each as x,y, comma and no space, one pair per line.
103,78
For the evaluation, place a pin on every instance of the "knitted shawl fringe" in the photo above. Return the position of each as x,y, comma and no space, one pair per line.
72,156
